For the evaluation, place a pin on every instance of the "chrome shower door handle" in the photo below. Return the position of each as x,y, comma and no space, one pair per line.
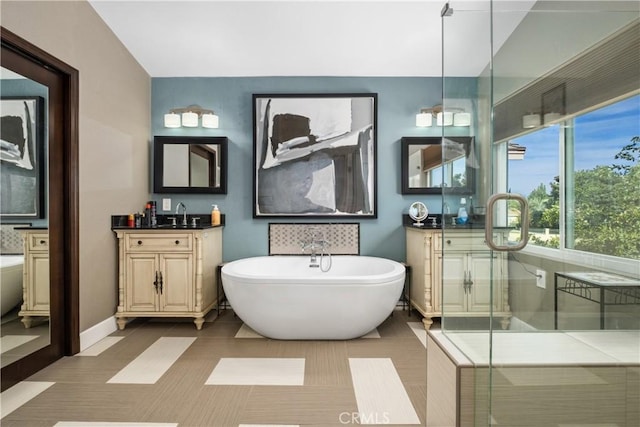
524,222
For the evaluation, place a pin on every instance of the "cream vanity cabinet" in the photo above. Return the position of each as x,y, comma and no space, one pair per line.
468,262
168,273
35,282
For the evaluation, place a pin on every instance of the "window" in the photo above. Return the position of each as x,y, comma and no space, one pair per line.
591,201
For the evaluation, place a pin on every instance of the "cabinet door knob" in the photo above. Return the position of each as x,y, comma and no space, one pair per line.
448,242
177,242
139,242
42,242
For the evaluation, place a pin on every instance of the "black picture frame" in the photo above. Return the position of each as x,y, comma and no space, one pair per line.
430,152
315,155
212,150
22,157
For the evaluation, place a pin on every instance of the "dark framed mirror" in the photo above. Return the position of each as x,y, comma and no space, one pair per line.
190,164
426,167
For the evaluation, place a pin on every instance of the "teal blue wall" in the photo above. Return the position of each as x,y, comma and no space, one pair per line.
399,99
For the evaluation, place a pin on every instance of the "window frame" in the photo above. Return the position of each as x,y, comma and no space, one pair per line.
611,263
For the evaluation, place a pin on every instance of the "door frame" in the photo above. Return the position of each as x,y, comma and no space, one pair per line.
63,206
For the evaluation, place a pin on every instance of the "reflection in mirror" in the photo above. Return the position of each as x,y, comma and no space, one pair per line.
24,254
190,164
427,165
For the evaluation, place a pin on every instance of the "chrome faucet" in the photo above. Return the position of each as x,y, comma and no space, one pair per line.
314,242
184,212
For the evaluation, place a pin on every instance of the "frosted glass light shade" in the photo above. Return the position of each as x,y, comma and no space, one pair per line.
190,119
424,120
210,121
444,118
172,120
551,117
462,119
530,121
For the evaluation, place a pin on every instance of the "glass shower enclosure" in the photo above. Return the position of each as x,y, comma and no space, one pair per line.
540,283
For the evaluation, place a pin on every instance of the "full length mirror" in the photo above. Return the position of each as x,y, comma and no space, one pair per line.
427,165
24,251
190,164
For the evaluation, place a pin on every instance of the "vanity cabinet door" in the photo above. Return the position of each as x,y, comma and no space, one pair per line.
454,296
38,282
176,292
480,291
142,276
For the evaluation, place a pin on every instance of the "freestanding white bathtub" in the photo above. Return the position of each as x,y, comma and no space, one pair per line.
10,281
282,297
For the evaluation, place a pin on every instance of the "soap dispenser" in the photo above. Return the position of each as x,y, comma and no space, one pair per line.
463,217
215,215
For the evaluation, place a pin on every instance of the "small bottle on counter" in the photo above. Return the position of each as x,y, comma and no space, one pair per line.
463,216
131,221
138,219
154,217
215,215
147,215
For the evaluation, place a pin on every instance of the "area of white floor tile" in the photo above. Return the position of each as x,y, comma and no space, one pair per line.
16,396
100,346
372,334
110,424
152,363
420,331
9,342
258,371
269,425
380,395
247,332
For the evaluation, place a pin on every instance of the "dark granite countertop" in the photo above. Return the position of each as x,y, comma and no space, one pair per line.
203,222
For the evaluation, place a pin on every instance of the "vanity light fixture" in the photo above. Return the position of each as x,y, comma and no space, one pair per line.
462,119
188,117
451,117
424,118
551,117
172,120
530,121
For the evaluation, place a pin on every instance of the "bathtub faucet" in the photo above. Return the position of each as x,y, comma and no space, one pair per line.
313,243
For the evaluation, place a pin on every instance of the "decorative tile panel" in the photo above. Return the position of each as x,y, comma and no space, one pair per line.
11,242
288,239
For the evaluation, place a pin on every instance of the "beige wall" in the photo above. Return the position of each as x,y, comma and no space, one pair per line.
115,98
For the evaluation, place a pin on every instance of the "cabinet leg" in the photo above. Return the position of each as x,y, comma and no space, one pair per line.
122,322
505,322
198,321
427,322
27,321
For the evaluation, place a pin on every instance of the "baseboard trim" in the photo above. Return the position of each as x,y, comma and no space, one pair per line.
97,332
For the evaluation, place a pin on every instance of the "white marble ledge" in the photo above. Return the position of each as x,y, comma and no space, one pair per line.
546,348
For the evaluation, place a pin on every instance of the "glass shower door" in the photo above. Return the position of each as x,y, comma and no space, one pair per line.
540,280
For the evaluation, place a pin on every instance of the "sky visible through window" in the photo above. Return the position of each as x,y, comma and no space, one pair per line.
599,136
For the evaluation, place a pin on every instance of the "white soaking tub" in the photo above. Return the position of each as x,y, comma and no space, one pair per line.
282,297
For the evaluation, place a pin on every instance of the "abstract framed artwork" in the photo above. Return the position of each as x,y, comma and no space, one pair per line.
314,155
22,157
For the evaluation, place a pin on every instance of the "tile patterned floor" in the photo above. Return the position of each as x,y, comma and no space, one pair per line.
161,373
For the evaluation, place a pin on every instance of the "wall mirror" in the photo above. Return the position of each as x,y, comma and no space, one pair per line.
25,321
185,164
426,167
